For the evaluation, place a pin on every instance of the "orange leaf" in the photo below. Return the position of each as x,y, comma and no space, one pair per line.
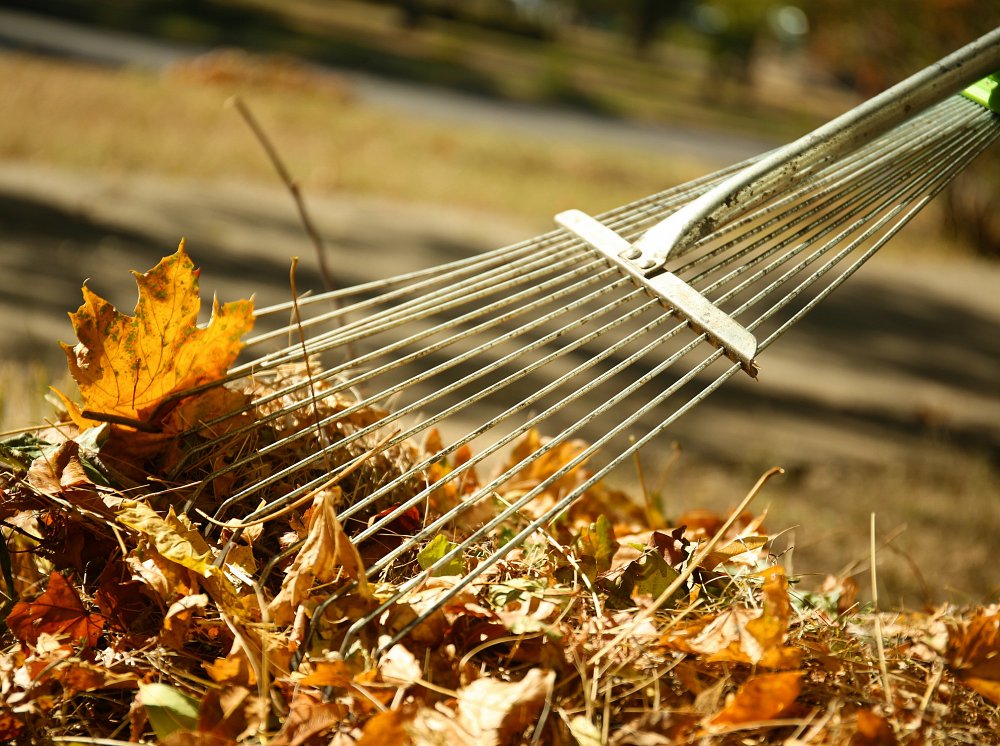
761,698
127,365
386,729
974,653
58,611
329,673
873,730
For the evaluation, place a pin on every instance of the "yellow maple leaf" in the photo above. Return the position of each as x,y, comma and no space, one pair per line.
126,366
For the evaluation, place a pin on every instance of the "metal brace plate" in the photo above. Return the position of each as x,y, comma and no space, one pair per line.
702,315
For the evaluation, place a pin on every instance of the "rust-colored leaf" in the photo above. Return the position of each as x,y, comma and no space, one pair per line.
760,699
974,653
126,366
58,611
873,730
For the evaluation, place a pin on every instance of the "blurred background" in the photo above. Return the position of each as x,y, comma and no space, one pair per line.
425,130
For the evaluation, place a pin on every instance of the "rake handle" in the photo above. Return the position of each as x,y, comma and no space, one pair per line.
787,166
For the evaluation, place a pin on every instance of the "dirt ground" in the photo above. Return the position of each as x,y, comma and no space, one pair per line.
885,399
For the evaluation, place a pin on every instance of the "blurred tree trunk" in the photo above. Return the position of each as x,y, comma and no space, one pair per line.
411,13
646,19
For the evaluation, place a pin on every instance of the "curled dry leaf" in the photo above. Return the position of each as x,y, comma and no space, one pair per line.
126,366
326,555
974,652
177,622
399,666
174,537
497,713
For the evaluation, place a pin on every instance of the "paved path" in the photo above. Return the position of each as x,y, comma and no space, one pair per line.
52,36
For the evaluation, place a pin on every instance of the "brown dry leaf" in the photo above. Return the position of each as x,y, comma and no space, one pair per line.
126,366
761,698
162,578
873,730
742,635
539,470
497,713
58,611
974,652
326,555
177,622
80,676
309,721
61,474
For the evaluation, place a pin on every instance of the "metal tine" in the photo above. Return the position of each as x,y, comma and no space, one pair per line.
940,181
647,209
446,275
525,270
904,195
914,194
438,393
533,288
409,409
552,386
901,167
668,198
840,174
494,447
881,230
573,463
423,304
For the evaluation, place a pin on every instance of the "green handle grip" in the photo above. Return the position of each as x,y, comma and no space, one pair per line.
986,92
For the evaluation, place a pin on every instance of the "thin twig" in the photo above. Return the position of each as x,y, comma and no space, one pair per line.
329,283
321,437
879,642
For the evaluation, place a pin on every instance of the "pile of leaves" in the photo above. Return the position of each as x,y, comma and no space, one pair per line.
130,617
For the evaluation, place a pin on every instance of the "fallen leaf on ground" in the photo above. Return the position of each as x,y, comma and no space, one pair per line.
326,554
497,713
126,366
974,653
58,611
399,666
761,698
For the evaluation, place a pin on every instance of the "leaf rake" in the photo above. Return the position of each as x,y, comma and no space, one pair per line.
610,327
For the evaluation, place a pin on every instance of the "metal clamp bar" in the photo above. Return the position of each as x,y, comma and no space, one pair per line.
701,314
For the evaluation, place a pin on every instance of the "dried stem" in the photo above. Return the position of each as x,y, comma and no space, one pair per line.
329,283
